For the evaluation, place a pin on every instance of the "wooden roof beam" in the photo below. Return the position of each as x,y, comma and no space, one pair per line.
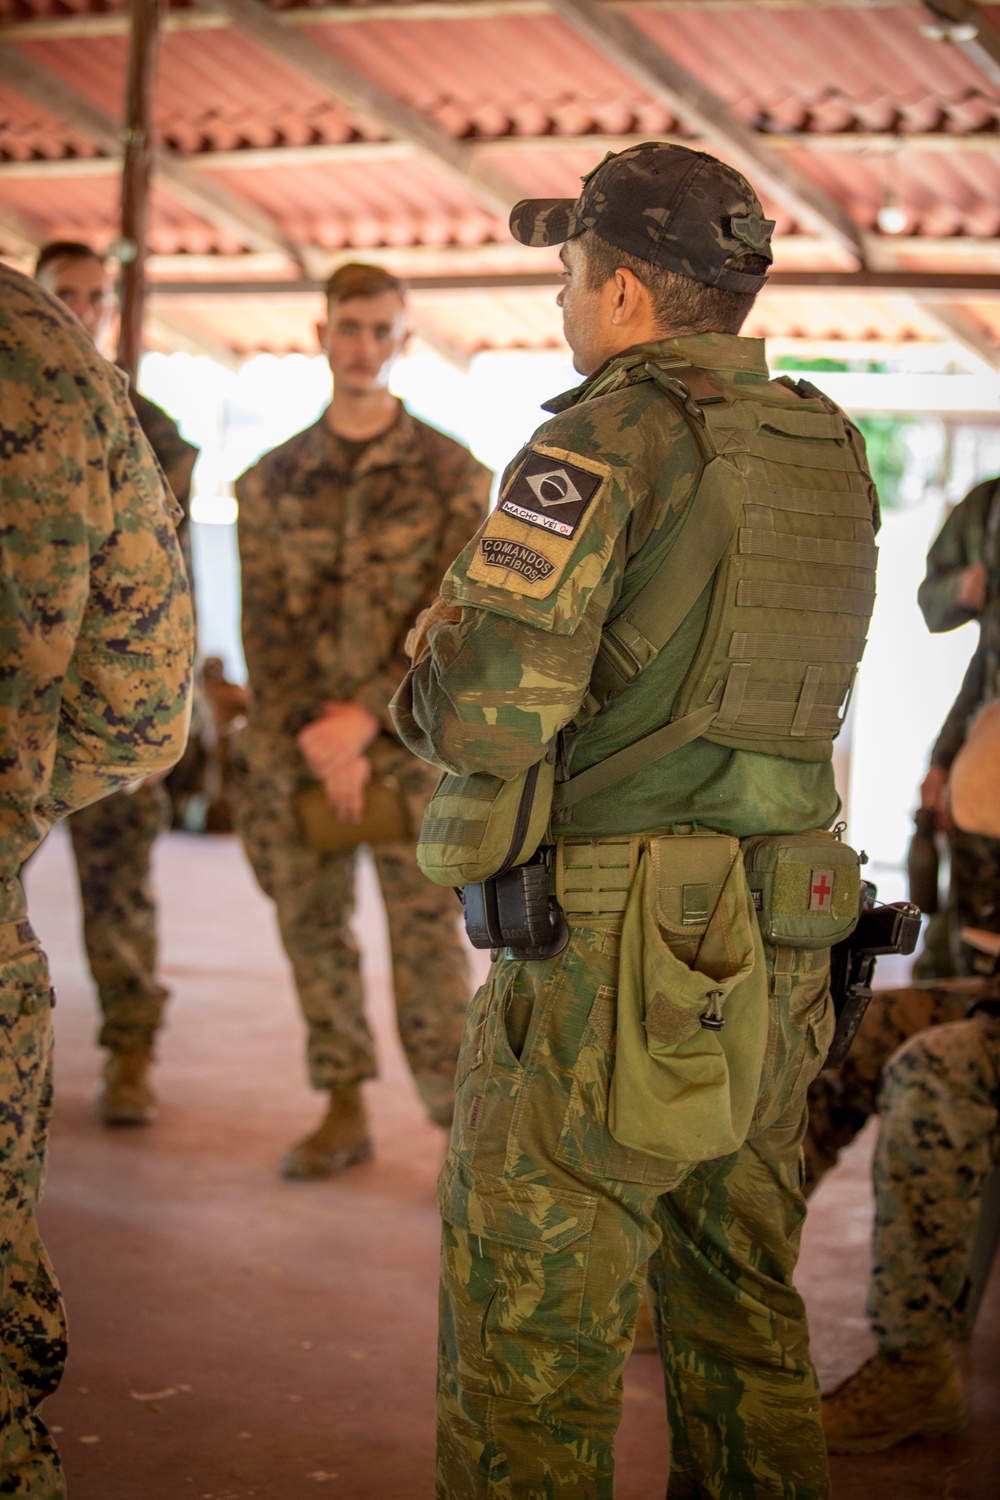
619,39
367,99
954,325
215,203
962,24
115,23
17,235
333,153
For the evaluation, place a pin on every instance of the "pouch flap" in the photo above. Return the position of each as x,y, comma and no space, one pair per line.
525,1215
687,876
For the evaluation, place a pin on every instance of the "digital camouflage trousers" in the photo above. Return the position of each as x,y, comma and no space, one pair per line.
113,846
314,898
551,1228
842,1100
32,1318
939,1138
973,901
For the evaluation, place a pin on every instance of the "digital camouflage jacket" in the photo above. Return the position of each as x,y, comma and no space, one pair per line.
339,557
95,608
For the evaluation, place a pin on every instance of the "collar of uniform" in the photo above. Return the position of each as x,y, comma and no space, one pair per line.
389,450
706,351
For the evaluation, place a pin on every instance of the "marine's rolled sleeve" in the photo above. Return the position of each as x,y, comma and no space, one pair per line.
960,543
281,674
95,607
465,496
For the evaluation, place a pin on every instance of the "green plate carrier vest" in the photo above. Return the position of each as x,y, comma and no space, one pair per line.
782,520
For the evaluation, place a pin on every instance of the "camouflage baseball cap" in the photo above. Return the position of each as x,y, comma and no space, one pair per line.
680,209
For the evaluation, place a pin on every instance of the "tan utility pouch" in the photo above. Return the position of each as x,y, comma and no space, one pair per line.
692,1002
477,825
385,818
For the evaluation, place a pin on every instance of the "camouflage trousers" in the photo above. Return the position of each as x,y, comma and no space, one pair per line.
551,1228
314,898
939,1138
32,1318
113,845
973,901
842,1100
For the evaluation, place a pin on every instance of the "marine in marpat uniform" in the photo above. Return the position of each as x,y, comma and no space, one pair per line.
113,838
938,1142
96,623
345,532
632,1085
963,584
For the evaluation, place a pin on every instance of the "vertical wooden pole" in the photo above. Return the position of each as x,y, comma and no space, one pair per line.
137,169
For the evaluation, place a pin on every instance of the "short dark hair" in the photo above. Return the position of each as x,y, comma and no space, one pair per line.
66,250
357,279
680,304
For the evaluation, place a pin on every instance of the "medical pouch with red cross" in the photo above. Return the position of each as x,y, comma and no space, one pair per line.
805,887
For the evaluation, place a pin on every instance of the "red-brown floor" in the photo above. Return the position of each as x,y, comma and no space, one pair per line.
233,1335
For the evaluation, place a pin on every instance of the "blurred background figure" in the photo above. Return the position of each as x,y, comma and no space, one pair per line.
962,584
345,531
113,839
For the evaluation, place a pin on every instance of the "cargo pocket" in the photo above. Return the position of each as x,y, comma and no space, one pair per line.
514,1271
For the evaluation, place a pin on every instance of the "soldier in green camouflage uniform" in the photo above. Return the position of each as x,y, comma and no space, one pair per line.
344,532
963,584
113,838
96,620
550,1223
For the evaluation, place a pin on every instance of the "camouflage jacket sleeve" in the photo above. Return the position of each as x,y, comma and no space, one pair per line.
538,581
959,544
464,497
284,694
96,610
970,698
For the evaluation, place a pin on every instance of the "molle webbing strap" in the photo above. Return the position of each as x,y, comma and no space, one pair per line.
803,596
763,543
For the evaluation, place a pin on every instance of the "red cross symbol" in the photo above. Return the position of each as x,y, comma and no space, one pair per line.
821,890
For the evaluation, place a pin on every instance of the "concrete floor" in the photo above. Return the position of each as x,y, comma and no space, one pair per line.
233,1335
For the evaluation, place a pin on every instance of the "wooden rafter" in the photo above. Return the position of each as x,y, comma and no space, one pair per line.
618,38
963,25
368,99
115,23
954,325
353,153
21,237
216,204
925,287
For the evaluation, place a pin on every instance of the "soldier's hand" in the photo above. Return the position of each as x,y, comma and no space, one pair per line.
972,587
338,738
438,613
934,794
346,789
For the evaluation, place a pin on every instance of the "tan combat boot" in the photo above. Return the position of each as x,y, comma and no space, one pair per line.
893,1397
127,1098
341,1140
